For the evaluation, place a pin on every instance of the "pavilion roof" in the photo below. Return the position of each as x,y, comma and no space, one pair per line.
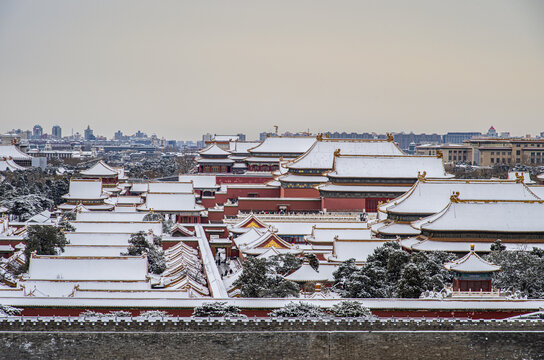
200,181
471,263
387,166
284,145
306,273
13,152
321,154
100,169
487,216
9,164
114,268
431,196
85,189
170,202
213,150
170,187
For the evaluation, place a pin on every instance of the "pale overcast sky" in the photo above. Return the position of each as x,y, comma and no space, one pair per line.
183,68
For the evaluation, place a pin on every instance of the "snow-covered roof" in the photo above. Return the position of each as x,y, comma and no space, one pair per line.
398,166
170,202
109,216
421,243
100,169
242,147
118,268
431,196
322,235
487,216
9,164
538,190
248,237
98,238
85,189
394,228
213,150
13,152
321,154
170,187
306,273
284,145
471,263
139,187
94,250
200,181
345,249
118,227
524,175
540,177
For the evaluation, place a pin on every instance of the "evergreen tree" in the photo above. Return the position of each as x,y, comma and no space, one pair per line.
313,261
299,310
44,240
155,257
520,271
217,309
392,272
262,278
350,308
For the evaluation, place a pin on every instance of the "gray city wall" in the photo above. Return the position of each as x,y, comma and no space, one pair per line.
173,338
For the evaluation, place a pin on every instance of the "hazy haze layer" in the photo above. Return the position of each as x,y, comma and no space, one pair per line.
182,68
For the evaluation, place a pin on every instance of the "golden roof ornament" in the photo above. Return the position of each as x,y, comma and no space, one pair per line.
327,136
439,154
519,178
390,137
421,176
319,137
454,198
337,152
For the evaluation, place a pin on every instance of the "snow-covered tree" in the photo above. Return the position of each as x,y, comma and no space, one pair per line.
217,309
384,275
6,310
299,310
520,271
265,277
312,260
44,240
350,308
155,257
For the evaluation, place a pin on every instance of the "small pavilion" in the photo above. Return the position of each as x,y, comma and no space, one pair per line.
472,273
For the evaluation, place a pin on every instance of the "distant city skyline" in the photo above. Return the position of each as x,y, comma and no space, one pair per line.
181,69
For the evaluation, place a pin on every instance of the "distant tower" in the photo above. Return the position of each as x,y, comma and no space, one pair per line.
492,132
88,133
37,132
56,131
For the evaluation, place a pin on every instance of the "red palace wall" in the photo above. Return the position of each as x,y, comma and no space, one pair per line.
188,311
299,193
242,179
352,204
208,202
343,204
235,193
215,216
256,204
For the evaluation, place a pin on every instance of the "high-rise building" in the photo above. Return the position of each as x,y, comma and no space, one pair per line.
459,137
118,135
56,131
88,133
37,132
